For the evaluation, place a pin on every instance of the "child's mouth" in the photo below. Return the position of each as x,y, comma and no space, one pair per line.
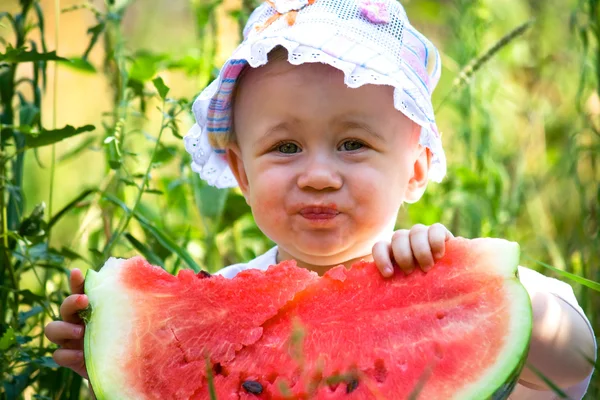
319,213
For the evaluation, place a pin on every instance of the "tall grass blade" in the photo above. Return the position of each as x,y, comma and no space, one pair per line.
472,67
162,237
579,279
548,382
211,383
146,251
415,393
72,204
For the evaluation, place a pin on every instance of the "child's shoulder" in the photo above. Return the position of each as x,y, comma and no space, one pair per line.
535,281
261,262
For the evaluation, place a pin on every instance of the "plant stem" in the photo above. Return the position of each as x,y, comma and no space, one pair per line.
53,161
113,240
7,117
54,111
5,260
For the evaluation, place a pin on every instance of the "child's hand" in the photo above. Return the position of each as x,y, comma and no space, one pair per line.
419,247
68,333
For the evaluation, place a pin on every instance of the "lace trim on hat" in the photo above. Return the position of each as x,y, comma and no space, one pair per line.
210,165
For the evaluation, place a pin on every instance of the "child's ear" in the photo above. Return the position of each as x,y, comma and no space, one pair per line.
236,164
418,182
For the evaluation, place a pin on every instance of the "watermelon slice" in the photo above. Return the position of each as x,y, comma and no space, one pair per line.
460,331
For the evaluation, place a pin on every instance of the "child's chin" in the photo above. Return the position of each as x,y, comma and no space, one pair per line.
323,253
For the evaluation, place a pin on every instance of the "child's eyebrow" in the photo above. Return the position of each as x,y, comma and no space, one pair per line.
284,125
347,123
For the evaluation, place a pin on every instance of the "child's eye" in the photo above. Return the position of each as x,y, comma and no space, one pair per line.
288,148
351,145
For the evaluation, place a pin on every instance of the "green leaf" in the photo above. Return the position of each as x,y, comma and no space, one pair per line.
235,208
24,316
40,252
15,385
72,204
73,255
76,151
209,200
46,362
34,225
164,154
28,297
204,9
146,65
8,339
128,182
162,237
579,279
154,191
79,64
145,251
20,55
29,114
95,31
48,137
21,340
161,87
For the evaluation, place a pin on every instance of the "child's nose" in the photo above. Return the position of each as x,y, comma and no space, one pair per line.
320,173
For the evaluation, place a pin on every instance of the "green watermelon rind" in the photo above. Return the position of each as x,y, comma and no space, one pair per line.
87,342
106,298
502,378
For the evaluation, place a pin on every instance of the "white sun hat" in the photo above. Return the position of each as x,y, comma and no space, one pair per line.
370,41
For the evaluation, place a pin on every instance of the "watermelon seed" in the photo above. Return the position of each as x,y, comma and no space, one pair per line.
218,370
352,385
203,274
252,387
440,315
380,370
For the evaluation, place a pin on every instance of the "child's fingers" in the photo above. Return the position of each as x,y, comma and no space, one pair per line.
419,243
60,332
70,306
438,235
402,251
381,257
71,359
77,281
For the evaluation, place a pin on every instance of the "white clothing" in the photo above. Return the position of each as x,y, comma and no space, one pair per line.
529,278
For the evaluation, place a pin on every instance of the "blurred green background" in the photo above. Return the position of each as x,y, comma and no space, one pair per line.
519,111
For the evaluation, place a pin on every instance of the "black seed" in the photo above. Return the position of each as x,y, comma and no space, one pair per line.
352,385
217,369
203,274
252,387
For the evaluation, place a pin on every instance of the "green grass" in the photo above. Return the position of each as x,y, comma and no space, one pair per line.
79,182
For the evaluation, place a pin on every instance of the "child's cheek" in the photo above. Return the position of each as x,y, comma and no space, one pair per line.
376,205
267,207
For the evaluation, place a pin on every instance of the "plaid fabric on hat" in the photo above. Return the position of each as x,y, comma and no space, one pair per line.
370,41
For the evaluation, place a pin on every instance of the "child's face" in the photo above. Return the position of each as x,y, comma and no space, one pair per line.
324,167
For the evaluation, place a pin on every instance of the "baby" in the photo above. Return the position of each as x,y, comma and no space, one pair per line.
323,118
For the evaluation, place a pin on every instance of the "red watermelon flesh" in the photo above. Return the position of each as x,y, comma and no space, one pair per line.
459,331
353,319
179,321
